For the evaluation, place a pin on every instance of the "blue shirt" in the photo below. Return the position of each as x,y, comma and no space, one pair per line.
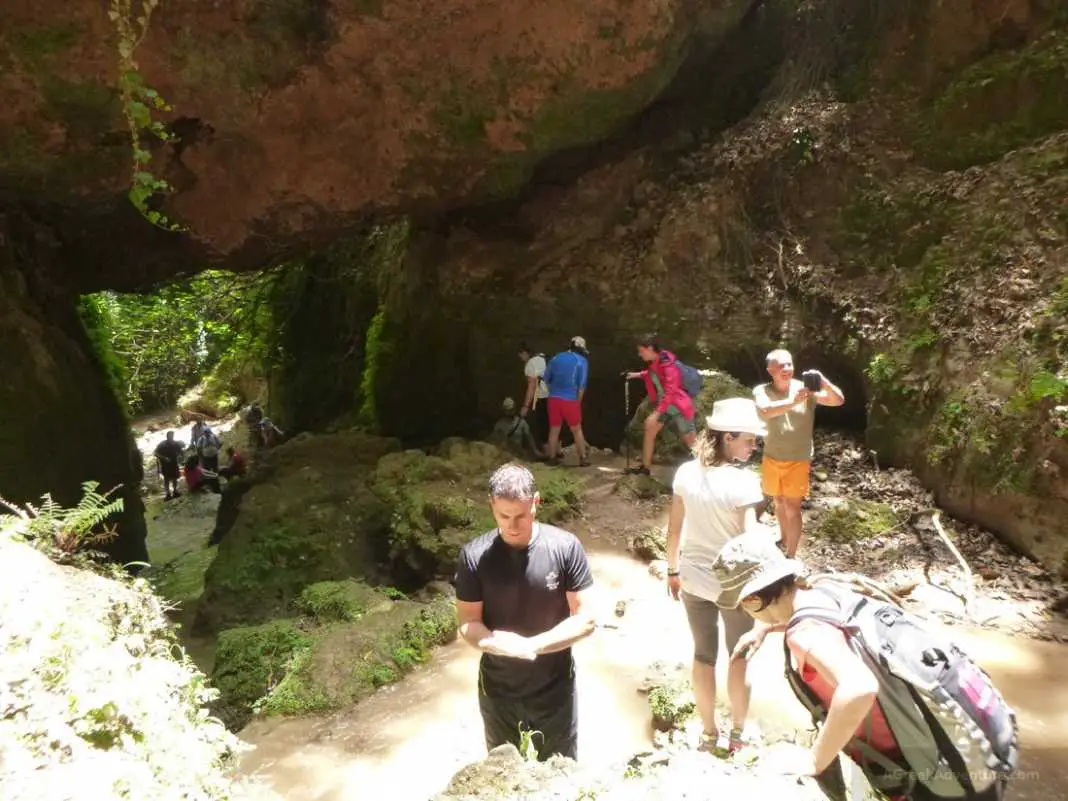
566,375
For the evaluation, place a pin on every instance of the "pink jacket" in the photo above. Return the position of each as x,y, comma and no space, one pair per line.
670,377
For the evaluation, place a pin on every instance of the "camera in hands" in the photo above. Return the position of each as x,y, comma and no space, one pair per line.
813,380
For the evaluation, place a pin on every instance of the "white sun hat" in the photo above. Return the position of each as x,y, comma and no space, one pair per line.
736,415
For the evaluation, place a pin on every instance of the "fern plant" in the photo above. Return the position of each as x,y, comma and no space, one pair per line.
64,533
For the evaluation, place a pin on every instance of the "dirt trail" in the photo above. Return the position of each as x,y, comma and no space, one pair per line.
408,740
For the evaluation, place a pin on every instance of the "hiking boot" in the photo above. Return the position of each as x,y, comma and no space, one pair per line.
640,470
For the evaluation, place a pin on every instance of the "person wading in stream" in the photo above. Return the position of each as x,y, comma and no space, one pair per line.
714,500
789,409
917,715
522,598
667,394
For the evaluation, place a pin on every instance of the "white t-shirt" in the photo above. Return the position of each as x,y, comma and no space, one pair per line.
715,499
535,367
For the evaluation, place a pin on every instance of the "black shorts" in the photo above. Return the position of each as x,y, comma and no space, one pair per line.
538,420
552,716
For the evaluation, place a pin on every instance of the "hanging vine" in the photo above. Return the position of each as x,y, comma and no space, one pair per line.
139,102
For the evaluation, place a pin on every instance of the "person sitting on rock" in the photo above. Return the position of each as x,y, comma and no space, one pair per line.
514,432
714,500
522,599
197,479
789,409
663,383
168,462
236,464
566,377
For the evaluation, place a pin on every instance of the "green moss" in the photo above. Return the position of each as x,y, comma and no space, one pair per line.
328,601
250,662
641,488
348,661
857,520
36,46
87,108
999,103
649,544
891,229
671,704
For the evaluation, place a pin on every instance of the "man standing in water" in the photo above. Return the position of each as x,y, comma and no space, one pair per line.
789,410
522,598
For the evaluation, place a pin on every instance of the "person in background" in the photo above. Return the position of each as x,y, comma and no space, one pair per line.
208,444
197,479
522,599
535,408
715,500
514,432
789,409
566,376
168,462
671,403
236,465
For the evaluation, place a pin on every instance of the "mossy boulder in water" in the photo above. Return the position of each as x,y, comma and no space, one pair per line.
351,639
439,502
305,514
669,448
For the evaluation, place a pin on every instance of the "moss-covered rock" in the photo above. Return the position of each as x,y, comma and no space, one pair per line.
669,448
1004,101
671,704
649,544
641,488
855,520
304,514
439,502
353,640
98,695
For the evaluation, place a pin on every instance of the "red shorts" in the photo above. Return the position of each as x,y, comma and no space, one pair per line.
564,411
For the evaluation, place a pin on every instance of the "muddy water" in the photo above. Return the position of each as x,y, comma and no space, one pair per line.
408,740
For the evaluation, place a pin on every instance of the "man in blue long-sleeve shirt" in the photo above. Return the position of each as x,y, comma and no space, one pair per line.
566,376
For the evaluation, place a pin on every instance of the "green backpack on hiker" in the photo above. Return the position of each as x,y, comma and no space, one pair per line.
956,734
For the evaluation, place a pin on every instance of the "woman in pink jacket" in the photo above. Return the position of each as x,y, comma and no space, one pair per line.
663,383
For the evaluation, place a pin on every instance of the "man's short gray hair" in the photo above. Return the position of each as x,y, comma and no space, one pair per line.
512,482
778,356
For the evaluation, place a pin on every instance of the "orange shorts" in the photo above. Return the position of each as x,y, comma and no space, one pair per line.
784,479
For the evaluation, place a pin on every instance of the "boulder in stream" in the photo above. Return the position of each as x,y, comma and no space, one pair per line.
348,640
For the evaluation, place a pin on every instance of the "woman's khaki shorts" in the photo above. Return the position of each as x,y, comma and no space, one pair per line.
704,617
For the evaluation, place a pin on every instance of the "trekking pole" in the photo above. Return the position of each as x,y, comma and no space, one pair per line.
626,412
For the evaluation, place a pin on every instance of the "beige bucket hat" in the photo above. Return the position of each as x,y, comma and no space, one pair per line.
747,564
736,415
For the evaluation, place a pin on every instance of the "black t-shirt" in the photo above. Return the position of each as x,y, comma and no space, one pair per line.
524,591
169,452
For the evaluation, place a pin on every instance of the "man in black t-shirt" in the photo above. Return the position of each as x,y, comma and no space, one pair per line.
168,455
522,596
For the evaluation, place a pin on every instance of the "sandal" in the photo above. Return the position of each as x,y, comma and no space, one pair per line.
640,470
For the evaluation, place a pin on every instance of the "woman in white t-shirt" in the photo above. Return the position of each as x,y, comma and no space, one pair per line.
714,501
